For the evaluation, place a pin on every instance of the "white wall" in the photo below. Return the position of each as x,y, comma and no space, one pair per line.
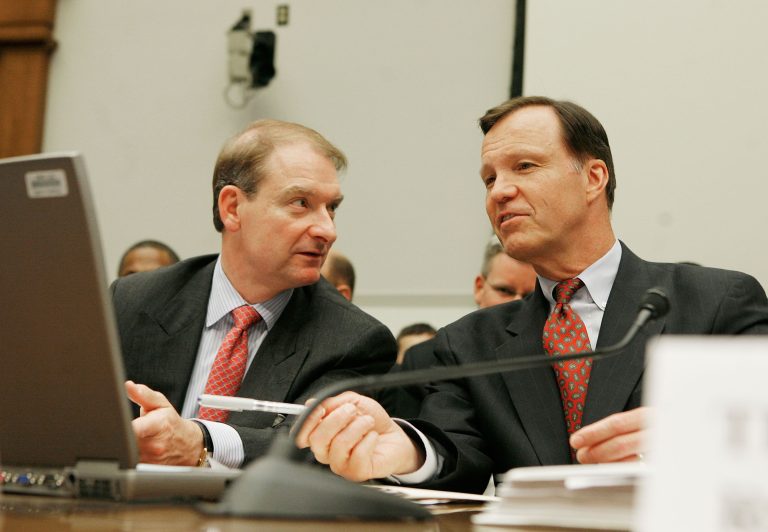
398,85
680,87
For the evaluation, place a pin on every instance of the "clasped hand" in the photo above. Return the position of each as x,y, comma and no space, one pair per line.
355,436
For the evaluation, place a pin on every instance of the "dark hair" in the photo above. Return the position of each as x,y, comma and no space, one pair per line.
149,244
341,270
416,328
242,161
583,134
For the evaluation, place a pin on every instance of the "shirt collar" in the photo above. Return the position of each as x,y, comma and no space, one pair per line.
597,278
224,299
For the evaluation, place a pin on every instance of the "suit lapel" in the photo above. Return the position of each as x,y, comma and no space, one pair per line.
613,380
534,391
177,329
281,354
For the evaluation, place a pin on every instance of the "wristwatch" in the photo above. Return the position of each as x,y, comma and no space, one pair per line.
207,452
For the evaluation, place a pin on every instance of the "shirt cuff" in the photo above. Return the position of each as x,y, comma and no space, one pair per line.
432,461
227,445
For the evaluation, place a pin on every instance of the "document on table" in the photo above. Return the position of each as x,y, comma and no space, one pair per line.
430,497
595,497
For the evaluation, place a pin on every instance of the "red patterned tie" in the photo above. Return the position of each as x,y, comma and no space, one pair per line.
229,366
565,333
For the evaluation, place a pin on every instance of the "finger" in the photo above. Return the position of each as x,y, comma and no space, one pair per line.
634,458
146,427
151,450
131,391
609,427
367,406
345,441
145,397
320,439
360,465
314,418
332,403
619,448
328,406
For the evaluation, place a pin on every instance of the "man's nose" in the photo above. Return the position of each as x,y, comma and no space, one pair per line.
323,227
503,189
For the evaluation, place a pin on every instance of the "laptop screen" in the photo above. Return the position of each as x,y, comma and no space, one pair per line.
61,374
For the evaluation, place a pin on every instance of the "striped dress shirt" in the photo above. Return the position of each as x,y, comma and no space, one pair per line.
227,445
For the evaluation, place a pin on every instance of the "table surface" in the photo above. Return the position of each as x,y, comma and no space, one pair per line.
35,513
31,513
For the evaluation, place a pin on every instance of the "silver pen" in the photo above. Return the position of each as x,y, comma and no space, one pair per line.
240,404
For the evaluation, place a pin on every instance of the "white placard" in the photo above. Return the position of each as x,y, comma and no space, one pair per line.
708,444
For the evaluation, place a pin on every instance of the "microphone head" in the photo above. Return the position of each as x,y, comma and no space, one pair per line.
656,301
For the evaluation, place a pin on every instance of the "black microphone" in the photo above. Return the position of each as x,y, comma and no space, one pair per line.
279,485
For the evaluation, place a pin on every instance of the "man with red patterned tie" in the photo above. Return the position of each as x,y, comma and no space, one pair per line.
548,173
255,321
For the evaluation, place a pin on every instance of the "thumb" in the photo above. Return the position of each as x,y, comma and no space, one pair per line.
145,397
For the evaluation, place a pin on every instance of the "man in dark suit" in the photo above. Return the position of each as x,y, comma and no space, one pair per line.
501,279
255,321
548,172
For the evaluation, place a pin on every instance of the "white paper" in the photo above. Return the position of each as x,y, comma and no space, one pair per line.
708,446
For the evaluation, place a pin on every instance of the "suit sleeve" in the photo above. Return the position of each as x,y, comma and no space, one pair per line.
448,408
744,308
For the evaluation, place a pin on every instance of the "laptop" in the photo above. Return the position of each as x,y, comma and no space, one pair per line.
65,421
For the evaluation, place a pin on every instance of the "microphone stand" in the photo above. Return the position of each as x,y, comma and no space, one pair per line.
279,485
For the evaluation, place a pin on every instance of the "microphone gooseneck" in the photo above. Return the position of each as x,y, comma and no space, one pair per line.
654,304
656,301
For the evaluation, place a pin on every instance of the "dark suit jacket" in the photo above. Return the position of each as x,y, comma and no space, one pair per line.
491,424
405,401
319,338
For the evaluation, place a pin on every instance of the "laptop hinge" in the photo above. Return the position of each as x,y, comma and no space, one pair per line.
98,479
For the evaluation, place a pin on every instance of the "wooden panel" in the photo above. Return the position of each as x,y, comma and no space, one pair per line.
27,12
23,80
26,42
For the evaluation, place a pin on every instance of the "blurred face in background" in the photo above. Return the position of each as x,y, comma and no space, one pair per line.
507,280
144,259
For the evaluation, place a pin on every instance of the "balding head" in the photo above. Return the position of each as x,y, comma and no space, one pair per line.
338,270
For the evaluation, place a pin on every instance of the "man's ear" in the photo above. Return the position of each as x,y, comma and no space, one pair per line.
229,199
597,179
479,284
345,290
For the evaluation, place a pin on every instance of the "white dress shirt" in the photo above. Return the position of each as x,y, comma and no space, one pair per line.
589,303
227,445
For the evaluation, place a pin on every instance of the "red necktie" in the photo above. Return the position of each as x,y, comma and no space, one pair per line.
229,366
565,333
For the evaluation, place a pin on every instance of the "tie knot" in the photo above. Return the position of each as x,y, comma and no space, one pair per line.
565,289
245,316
